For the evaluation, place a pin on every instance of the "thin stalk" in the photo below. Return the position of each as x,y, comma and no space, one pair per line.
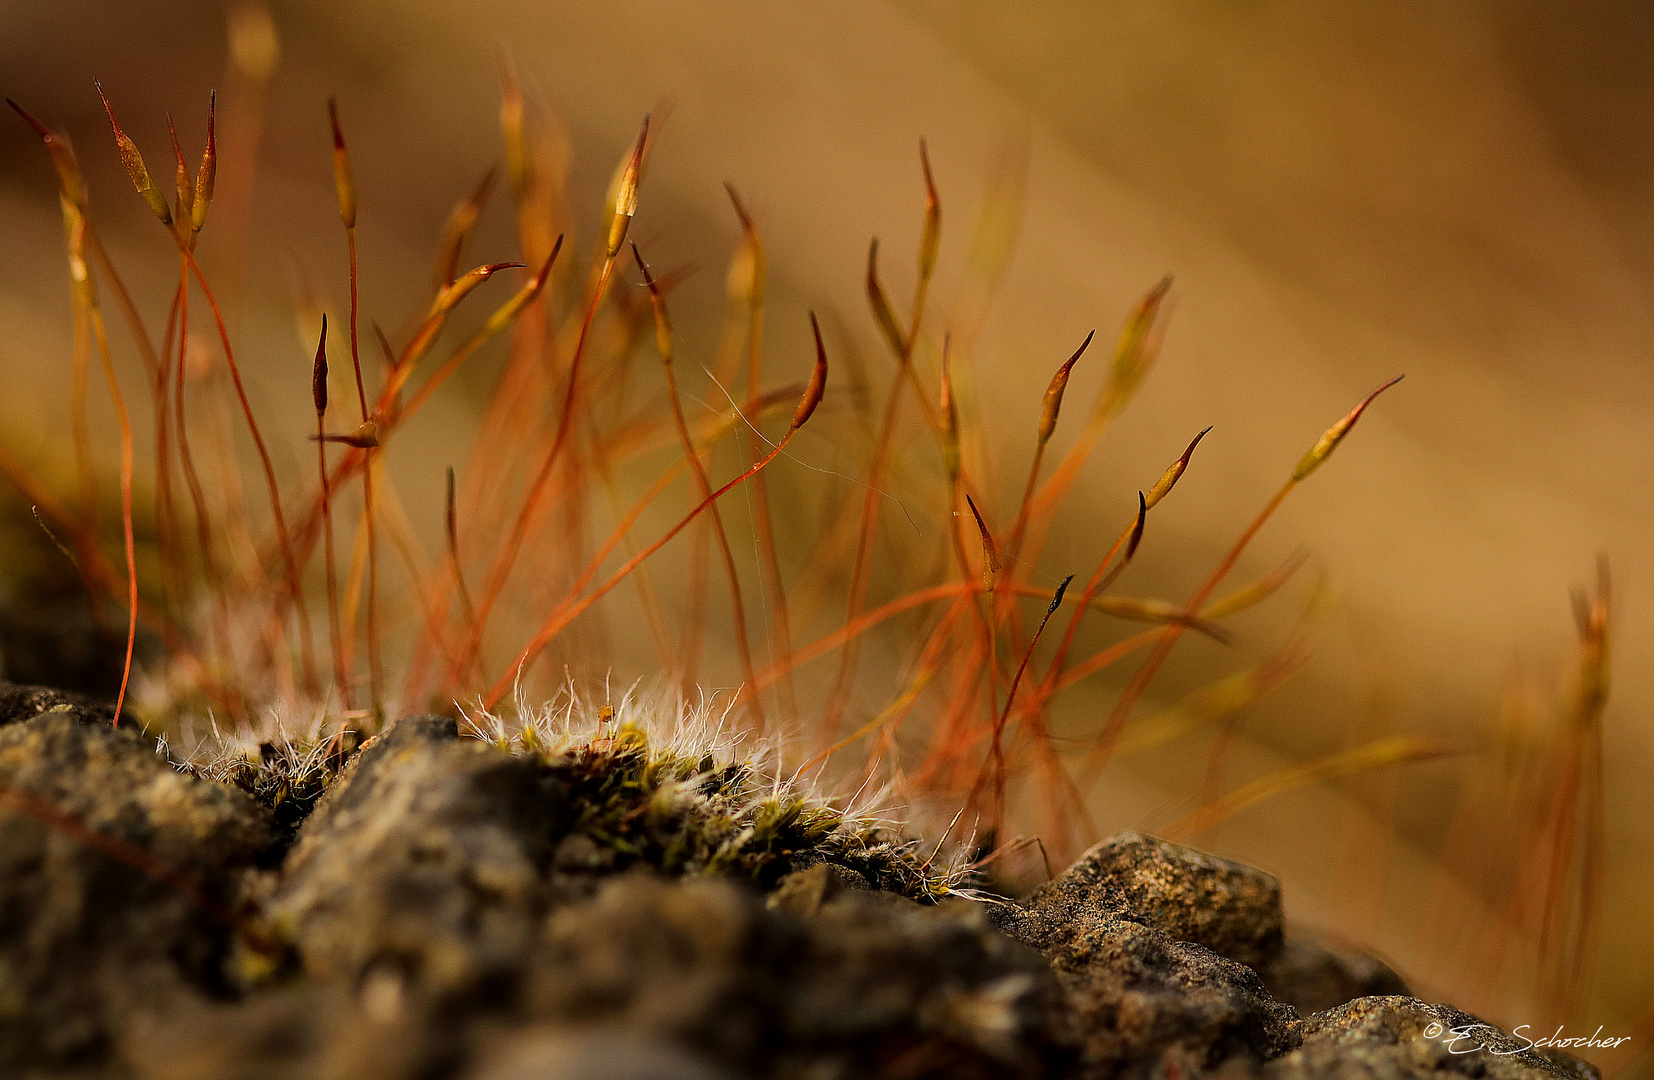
376,674
1318,454
307,645
571,609
622,207
703,487
125,422
318,390
838,699
500,570
192,479
763,522
996,756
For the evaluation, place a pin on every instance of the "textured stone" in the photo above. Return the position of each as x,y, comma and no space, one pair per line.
19,703
1407,1039
802,892
422,863
119,878
560,1054
1138,995
1312,973
1190,896
456,912
873,985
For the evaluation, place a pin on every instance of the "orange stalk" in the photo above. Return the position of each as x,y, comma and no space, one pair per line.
1134,354
146,188
1130,538
625,206
318,392
192,478
897,710
703,488
903,344
763,523
346,188
90,304
571,609
1049,411
1311,461
997,752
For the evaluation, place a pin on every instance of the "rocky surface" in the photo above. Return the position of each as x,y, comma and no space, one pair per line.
1404,1037
119,881
1314,973
19,703
452,910
1233,910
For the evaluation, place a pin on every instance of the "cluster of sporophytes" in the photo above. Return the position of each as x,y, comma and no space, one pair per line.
482,618
283,647
968,718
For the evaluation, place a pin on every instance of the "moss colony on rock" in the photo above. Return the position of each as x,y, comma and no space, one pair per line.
309,883
588,900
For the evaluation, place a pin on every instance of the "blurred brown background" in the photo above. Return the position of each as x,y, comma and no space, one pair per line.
1461,192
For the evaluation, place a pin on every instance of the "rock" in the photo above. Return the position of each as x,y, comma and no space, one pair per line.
19,703
276,1034
1313,973
873,985
1151,941
1231,909
1405,1038
452,889
118,882
457,912
422,863
560,1054
1138,995
802,892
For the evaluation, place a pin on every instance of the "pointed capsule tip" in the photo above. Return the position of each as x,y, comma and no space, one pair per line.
643,268
28,118
748,225
1056,598
1189,451
1137,528
318,371
106,106
817,386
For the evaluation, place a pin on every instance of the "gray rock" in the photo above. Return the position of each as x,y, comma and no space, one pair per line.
1407,1039
455,911
422,863
802,892
19,703
1139,996
1151,942
118,883
560,1054
873,985
1190,896
1313,973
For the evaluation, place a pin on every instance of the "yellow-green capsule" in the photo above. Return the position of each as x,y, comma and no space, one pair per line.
623,198
342,178
1328,442
206,177
133,162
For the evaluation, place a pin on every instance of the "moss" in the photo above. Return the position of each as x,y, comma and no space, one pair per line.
657,789
689,813
287,776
